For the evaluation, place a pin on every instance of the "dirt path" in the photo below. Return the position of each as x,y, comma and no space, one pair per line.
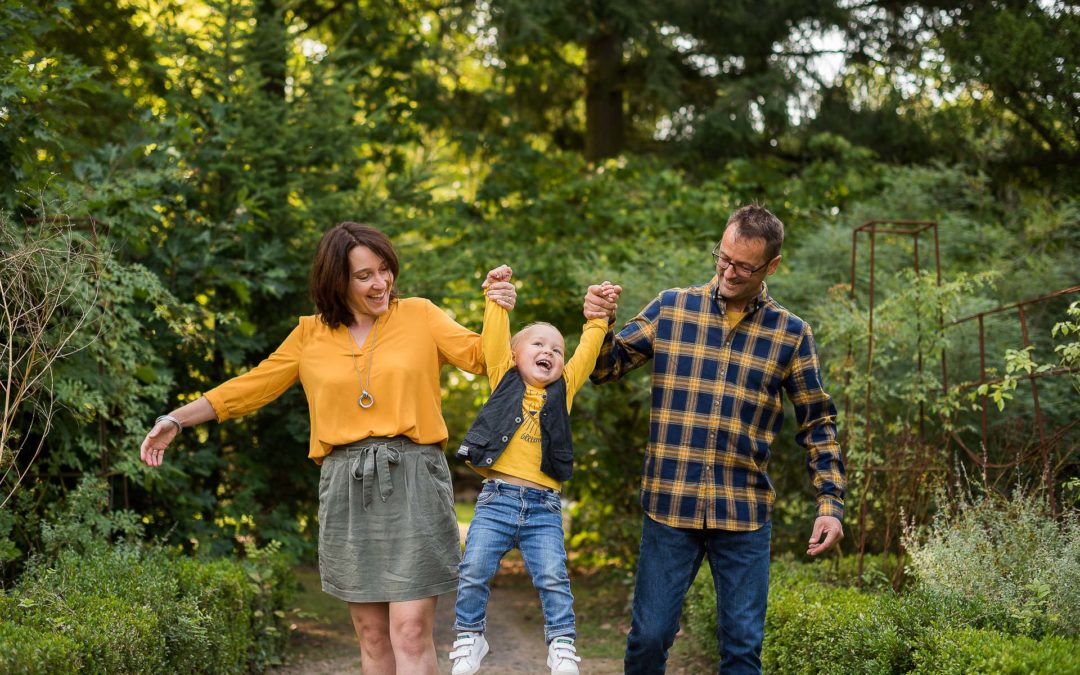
515,633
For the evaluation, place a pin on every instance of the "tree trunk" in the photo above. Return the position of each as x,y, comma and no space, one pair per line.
604,123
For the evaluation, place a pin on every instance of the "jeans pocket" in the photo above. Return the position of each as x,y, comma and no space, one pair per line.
553,502
486,497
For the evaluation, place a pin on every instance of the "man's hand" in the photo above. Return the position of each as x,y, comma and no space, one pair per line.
498,287
828,527
601,300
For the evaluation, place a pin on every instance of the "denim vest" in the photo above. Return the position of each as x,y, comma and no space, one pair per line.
501,416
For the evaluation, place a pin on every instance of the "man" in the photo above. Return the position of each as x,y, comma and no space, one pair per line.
721,354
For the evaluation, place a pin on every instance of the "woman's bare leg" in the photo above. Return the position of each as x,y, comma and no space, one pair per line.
411,626
371,620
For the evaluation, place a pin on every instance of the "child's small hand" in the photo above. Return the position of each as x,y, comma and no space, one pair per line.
610,291
500,273
601,300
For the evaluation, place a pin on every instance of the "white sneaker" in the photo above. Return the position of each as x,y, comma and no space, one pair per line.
562,656
469,650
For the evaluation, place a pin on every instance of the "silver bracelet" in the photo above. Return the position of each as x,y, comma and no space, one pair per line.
170,418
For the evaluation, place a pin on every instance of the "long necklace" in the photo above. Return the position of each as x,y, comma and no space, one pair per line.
366,400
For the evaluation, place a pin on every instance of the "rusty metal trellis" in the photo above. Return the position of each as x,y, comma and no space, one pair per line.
1047,439
872,228
1046,442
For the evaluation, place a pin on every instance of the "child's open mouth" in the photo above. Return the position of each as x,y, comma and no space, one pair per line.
543,363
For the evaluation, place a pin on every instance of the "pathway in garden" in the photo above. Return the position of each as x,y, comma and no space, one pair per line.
515,631
325,645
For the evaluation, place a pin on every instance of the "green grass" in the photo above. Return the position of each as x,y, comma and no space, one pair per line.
602,611
465,511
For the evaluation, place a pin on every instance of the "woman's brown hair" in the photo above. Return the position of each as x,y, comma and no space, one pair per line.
330,272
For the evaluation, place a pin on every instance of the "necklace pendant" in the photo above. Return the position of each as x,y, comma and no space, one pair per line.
366,400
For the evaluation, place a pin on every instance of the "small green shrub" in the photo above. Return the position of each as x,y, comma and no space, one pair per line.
811,629
816,626
221,590
28,651
969,651
1010,557
129,608
811,625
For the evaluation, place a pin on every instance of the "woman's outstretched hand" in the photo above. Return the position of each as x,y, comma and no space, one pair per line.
152,451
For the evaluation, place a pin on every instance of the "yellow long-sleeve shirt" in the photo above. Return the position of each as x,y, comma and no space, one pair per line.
521,458
411,342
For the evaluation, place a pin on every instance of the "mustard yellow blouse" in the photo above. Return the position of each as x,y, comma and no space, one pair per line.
411,342
521,457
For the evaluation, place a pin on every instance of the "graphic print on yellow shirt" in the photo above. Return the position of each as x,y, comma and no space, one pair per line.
521,458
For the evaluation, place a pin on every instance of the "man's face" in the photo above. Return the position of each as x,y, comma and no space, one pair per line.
741,254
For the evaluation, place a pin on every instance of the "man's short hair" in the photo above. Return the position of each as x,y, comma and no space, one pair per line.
754,221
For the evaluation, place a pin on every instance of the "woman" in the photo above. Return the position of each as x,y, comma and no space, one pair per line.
369,363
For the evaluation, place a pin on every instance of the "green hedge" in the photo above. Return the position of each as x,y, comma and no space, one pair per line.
813,626
965,651
129,609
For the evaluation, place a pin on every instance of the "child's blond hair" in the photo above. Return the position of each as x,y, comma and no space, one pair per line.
517,336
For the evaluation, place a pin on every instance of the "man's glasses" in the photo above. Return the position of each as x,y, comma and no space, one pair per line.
743,270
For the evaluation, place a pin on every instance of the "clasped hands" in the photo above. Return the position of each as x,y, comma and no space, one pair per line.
601,300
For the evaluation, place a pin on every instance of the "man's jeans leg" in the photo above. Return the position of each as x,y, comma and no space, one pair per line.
544,553
668,560
491,535
740,568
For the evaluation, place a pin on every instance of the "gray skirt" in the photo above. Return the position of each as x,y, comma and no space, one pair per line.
387,527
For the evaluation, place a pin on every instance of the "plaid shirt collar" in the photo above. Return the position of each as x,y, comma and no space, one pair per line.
760,300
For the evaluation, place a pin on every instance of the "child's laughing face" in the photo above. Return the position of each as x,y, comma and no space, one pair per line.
538,355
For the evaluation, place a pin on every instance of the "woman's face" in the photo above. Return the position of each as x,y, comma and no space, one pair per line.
370,281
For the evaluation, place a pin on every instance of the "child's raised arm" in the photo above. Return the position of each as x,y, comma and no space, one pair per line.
495,334
583,361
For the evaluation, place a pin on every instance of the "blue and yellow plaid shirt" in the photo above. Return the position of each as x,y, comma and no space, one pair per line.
716,407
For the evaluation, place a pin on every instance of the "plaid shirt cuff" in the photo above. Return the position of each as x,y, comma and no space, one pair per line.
830,506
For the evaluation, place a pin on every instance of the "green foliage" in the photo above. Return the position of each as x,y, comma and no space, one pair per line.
961,651
126,608
1009,556
816,623
1019,362
28,651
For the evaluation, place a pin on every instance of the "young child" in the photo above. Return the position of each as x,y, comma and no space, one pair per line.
520,442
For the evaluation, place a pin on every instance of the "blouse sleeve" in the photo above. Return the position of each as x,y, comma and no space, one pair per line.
262,384
458,346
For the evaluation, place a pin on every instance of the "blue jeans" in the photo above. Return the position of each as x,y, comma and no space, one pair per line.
667,564
509,516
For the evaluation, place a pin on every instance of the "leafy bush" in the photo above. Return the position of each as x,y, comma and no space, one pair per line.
1010,556
815,626
967,651
129,608
25,650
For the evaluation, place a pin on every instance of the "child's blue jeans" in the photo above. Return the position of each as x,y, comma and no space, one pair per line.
507,516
